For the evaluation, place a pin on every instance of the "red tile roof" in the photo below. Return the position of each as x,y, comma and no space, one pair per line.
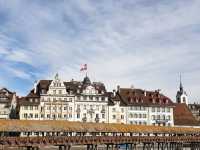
183,116
135,97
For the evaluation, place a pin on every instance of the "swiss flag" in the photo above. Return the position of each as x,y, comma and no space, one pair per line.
83,67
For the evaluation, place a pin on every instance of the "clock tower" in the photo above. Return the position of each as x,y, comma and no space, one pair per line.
181,96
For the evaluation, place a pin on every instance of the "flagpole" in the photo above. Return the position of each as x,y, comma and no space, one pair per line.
86,70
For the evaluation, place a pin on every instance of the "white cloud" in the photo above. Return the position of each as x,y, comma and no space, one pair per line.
140,43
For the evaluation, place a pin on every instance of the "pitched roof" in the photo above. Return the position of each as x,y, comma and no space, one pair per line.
25,101
78,85
6,96
135,97
71,86
69,126
183,116
43,85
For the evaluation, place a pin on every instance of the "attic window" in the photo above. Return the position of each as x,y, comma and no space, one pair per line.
166,101
43,91
129,99
157,94
31,100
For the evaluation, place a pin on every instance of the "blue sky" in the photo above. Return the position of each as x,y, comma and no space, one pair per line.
144,43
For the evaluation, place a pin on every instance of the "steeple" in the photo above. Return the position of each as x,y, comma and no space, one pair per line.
181,96
181,85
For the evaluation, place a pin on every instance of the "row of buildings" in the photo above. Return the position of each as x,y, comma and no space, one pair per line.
87,101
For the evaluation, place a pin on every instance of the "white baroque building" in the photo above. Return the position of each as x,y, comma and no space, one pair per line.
87,101
72,101
91,100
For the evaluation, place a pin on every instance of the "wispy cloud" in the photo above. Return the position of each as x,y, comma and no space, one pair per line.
146,43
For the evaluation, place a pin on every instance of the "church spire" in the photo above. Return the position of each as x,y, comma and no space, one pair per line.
181,85
181,96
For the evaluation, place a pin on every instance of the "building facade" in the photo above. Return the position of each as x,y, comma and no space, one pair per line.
91,100
195,109
8,102
117,109
87,101
143,107
73,101
49,100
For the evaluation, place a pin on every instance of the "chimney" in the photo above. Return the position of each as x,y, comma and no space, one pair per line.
14,100
118,88
35,87
145,93
114,93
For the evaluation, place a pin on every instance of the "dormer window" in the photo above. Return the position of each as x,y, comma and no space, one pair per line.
132,100
165,101
157,94
157,100
31,100
160,101
43,91
129,99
